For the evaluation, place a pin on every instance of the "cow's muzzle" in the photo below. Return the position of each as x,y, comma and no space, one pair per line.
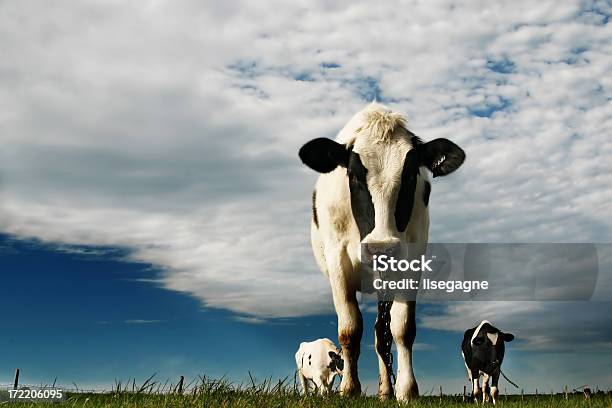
391,249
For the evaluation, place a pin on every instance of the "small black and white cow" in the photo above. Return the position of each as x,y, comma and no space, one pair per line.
483,350
318,362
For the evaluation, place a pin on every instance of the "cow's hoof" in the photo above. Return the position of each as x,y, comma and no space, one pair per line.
352,389
408,393
385,390
385,396
352,392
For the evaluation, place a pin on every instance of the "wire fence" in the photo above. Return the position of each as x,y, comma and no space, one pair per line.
149,386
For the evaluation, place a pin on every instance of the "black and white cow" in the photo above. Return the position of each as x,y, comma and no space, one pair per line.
483,350
373,189
318,362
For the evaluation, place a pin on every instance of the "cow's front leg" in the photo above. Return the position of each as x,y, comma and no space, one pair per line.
350,323
475,385
403,328
350,328
485,388
494,389
320,385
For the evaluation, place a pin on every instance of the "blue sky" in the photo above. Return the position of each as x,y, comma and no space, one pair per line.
88,316
85,315
148,172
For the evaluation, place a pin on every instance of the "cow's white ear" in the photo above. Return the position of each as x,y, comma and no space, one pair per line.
324,155
441,156
507,337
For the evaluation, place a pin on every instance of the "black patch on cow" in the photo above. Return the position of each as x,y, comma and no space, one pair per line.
361,199
324,155
336,362
480,354
315,218
309,357
426,193
405,197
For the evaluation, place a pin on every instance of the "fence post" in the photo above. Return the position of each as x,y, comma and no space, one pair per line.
522,394
16,383
180,385
440,394
464,395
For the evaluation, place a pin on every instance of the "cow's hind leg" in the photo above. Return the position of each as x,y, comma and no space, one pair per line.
350,322
304,382
403,328
383,341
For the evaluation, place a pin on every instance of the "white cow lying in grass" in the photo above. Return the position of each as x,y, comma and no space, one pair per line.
318,362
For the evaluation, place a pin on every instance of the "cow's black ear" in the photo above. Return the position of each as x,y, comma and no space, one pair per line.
324,155
507,337
441,156
478,341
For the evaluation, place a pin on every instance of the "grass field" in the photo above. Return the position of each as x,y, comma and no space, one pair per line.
212,393
280,401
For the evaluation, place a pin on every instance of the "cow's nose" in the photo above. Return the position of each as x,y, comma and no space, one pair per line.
383,248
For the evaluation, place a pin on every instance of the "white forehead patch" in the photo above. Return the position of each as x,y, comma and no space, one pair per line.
382,143
493,337
381,123
478,329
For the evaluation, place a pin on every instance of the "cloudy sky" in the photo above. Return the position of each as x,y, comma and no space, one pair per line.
162,137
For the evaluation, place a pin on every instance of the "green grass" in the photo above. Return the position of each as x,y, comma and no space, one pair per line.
280,401
215,393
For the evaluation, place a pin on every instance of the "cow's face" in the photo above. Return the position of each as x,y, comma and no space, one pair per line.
336,363
382,177
488,346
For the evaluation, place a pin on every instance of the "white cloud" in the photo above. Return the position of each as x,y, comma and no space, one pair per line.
249,320
142,321
173,130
